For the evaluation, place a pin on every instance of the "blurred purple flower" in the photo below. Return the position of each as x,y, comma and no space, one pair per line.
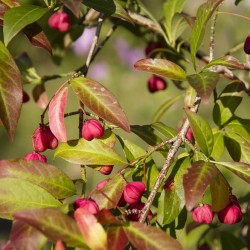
98,71
129,56
82,45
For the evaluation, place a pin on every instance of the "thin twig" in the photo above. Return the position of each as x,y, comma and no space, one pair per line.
84,70
100,46
169,159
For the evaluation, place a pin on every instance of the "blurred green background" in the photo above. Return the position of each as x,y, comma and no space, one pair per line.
115,71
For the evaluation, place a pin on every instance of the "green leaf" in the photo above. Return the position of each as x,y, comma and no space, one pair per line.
202,132
240,127
11,3
54,224
219,145
11,95
113,190
15,19
150,238
133,151
241,169
25,237
164,130
121,13
164,108
172,199
42,174
104,6
84,152
196,180
204,83
170,9
231,242
146,133
228,101
237,147
101,101
190,96
220,191
179,24
204,13
227,61
161,67
17,194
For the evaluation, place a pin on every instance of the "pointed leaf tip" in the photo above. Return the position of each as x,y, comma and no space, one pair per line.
101,101
161,67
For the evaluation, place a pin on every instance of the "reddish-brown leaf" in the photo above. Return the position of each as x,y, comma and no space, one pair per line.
73,5
109,196
37,37
47,176
56,114
150,238
24,237
92,231
54,224
161,67
101,101
11,94
196,180
105,217
117,238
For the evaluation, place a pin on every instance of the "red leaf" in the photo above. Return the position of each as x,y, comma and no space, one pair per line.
101,101
11,94
54,224
196,180
92,231
37,37
24,237
150,238
117,238
56,114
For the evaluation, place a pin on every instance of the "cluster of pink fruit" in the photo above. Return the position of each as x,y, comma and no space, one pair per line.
131,195
230,214
44,139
